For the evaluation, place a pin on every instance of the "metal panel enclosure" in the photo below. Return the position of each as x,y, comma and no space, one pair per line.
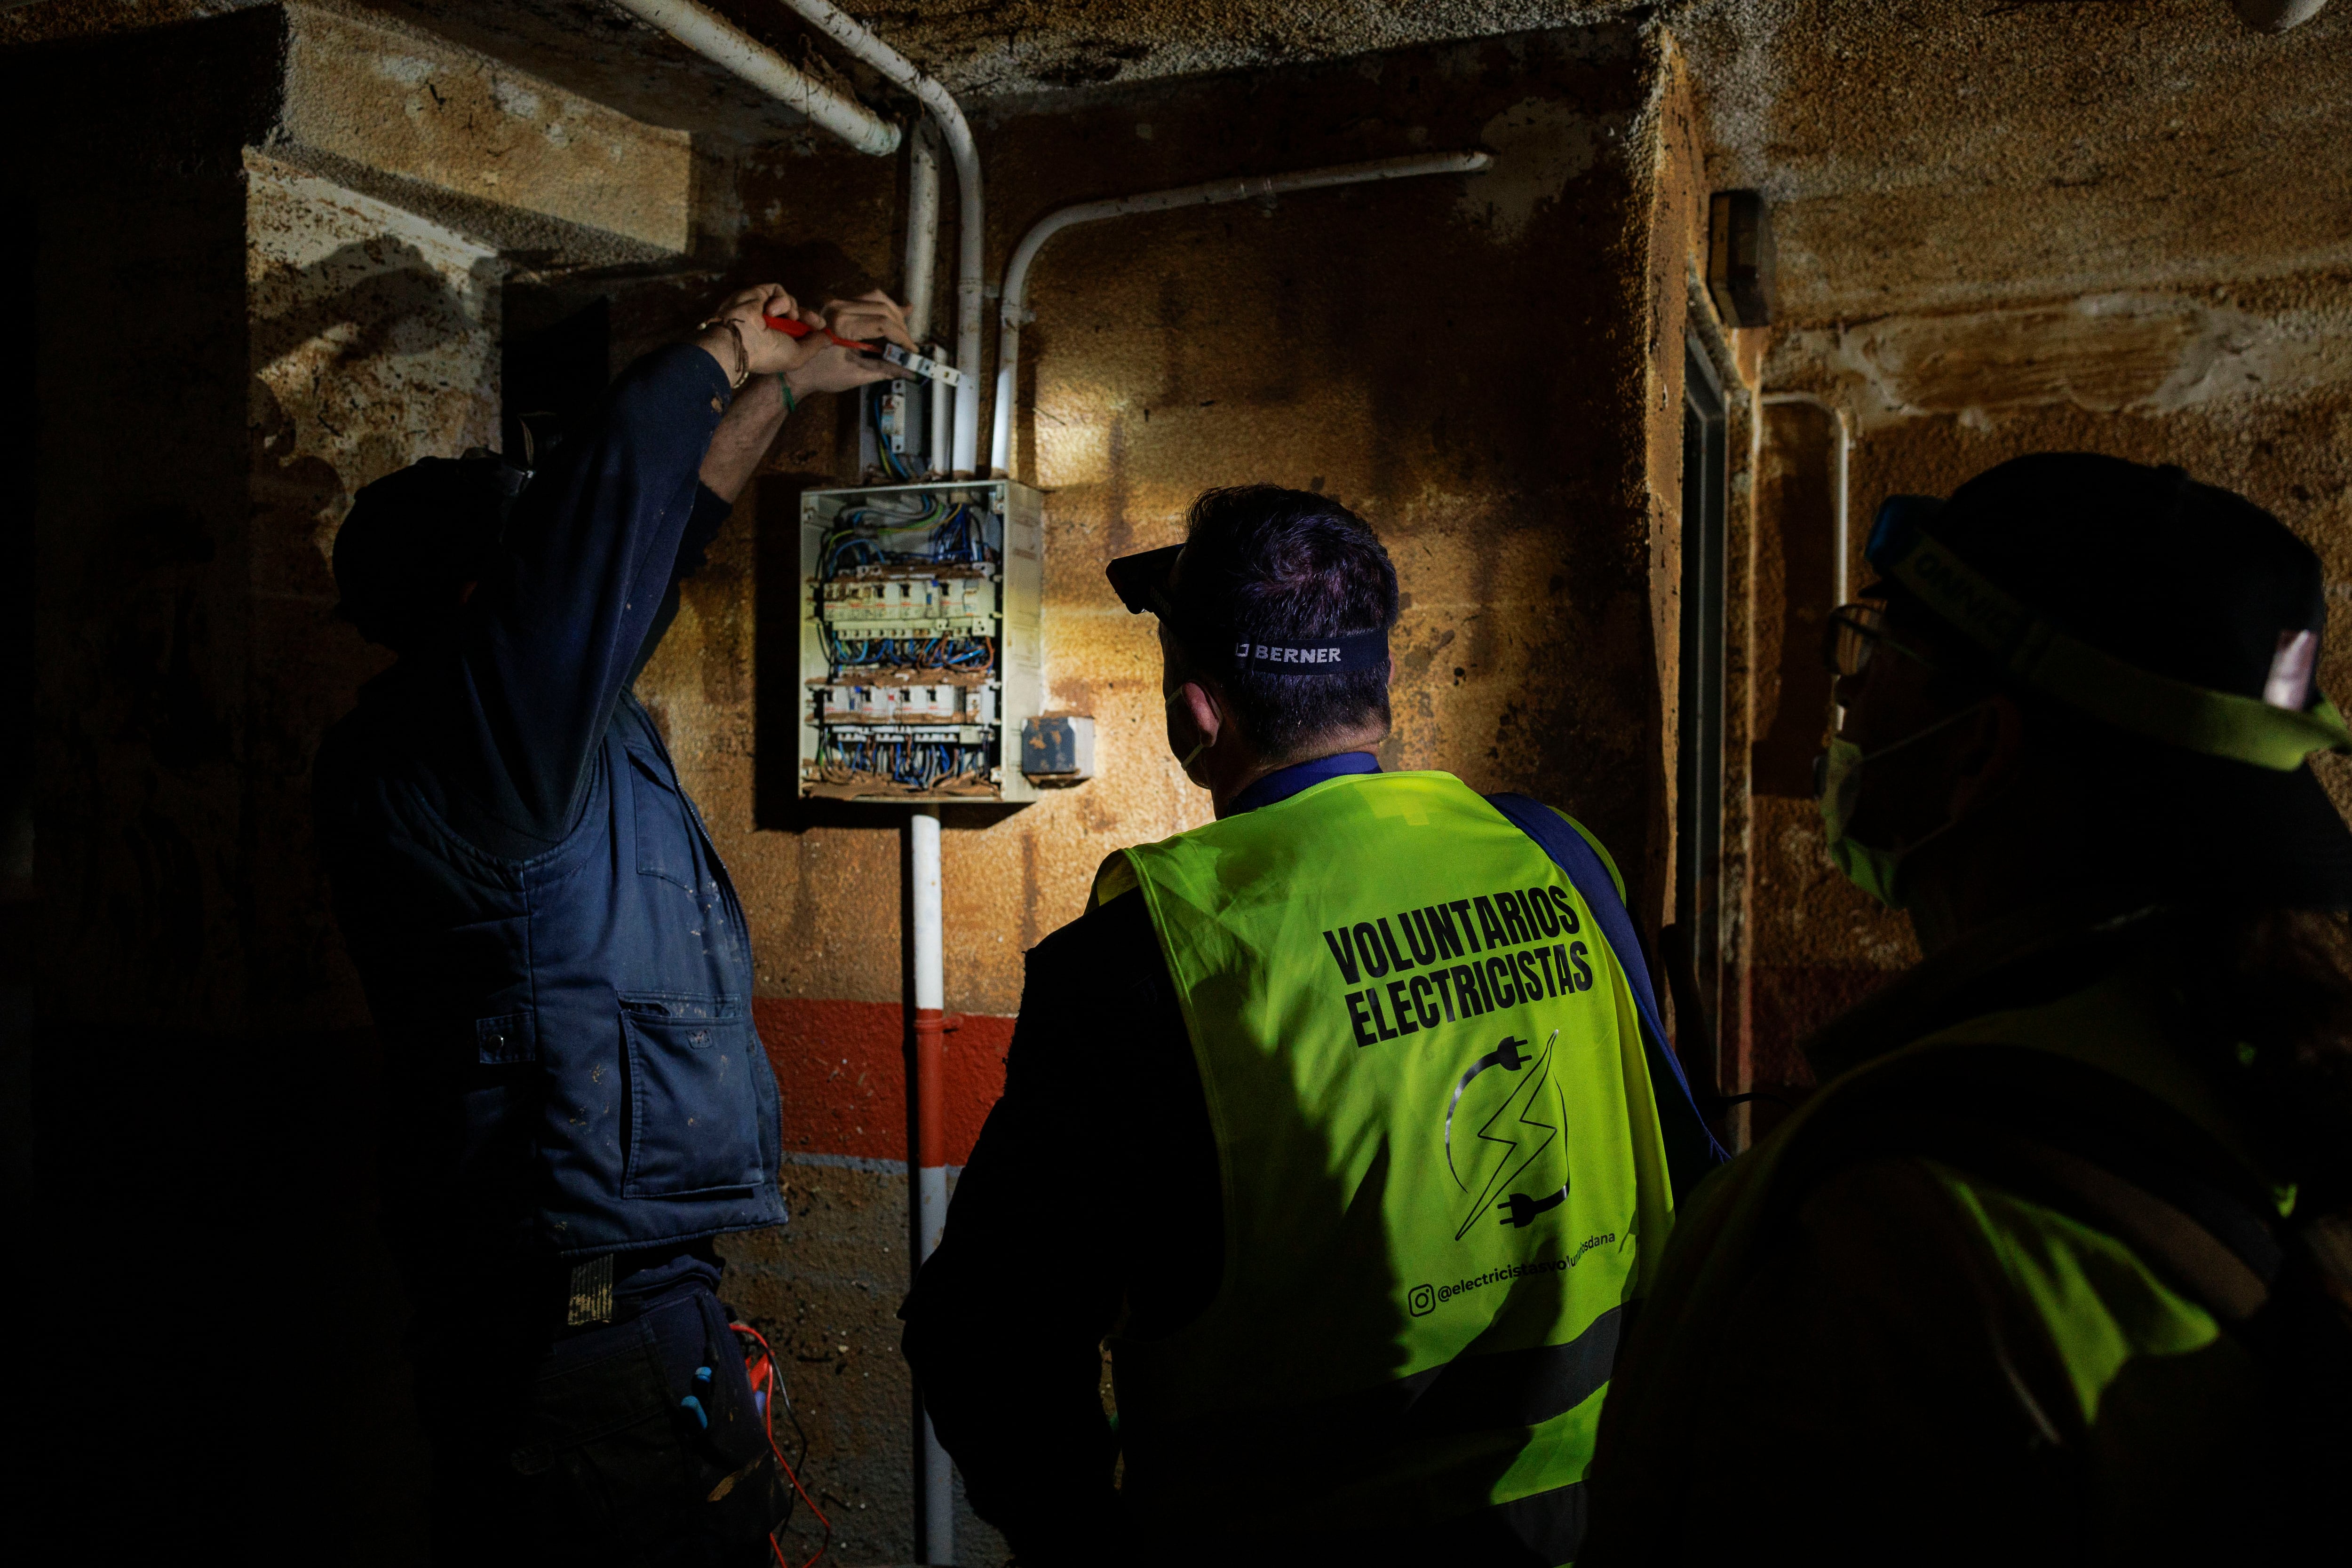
919,639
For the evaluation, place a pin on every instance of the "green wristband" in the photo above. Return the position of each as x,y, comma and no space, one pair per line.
791,404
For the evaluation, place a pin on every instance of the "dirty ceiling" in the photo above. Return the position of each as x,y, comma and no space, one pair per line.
1947,155
1922,155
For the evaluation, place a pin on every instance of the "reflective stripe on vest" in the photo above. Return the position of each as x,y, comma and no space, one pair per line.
2101,1303
1441,1163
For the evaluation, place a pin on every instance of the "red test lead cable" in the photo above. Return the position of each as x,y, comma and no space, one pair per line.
774,1380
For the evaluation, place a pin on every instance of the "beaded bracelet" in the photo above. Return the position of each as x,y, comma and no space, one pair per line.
742,350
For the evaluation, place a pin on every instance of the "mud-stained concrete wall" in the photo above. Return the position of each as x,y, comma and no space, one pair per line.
374,340
143,560
2246,385
202,1111
1356,342
1674,227
1947,156
415,108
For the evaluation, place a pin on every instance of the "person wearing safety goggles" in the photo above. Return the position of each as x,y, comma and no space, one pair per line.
2056,1265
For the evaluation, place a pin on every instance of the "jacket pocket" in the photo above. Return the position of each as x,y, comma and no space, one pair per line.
693,1100
669,840
507,1039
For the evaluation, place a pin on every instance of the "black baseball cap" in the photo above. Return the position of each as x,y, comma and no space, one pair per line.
1141,582
2178,613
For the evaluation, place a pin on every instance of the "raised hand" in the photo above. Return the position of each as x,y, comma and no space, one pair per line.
738,336
868,318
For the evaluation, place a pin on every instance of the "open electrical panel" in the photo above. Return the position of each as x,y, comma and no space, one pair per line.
918,637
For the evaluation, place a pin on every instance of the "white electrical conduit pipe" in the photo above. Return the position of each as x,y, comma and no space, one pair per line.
722,43
922,257
934,1493
1838,546
2276,16
934,1513
922,228
1016,271
851,34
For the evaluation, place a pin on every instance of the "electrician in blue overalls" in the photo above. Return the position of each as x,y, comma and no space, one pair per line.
559,966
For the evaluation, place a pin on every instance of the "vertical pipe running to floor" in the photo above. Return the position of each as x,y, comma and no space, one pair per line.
934,1519
934,1496
922,227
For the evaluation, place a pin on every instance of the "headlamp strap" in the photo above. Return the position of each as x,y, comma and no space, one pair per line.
2035,653
1347,651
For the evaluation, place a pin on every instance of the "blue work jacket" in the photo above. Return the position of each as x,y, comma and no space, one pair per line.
557,962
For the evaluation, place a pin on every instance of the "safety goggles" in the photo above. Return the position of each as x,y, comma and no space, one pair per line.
1855,632
2029,648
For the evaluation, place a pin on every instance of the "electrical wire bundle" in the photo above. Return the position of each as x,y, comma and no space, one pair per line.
933,533
901,759
894,463
889,530
975,655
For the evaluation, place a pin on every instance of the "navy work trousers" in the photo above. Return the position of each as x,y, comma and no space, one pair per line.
587,1452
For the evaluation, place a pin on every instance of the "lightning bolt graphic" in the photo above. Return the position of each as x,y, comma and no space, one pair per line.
1511,1055
1520,1107
1520,1209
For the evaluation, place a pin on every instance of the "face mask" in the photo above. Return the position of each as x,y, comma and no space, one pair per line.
1185,761
1873,870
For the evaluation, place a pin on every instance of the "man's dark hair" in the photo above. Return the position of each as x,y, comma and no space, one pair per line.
1265,564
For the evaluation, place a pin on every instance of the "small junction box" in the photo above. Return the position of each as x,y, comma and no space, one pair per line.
1058,749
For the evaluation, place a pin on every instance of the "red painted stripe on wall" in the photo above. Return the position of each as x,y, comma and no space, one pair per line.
841,1072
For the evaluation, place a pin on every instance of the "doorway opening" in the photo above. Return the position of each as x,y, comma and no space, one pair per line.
1695,953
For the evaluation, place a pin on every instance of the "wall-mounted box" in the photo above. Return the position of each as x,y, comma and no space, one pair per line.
1740,260
919,639
1058,748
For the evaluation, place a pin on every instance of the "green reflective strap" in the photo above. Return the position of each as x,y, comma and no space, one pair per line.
2103,1304
2195,718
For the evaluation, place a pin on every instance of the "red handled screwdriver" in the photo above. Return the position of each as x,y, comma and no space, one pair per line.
889,353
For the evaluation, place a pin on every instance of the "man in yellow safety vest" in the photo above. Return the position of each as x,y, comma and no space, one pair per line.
2056,1266
1345,1119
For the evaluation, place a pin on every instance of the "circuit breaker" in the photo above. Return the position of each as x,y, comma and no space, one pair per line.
918,631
